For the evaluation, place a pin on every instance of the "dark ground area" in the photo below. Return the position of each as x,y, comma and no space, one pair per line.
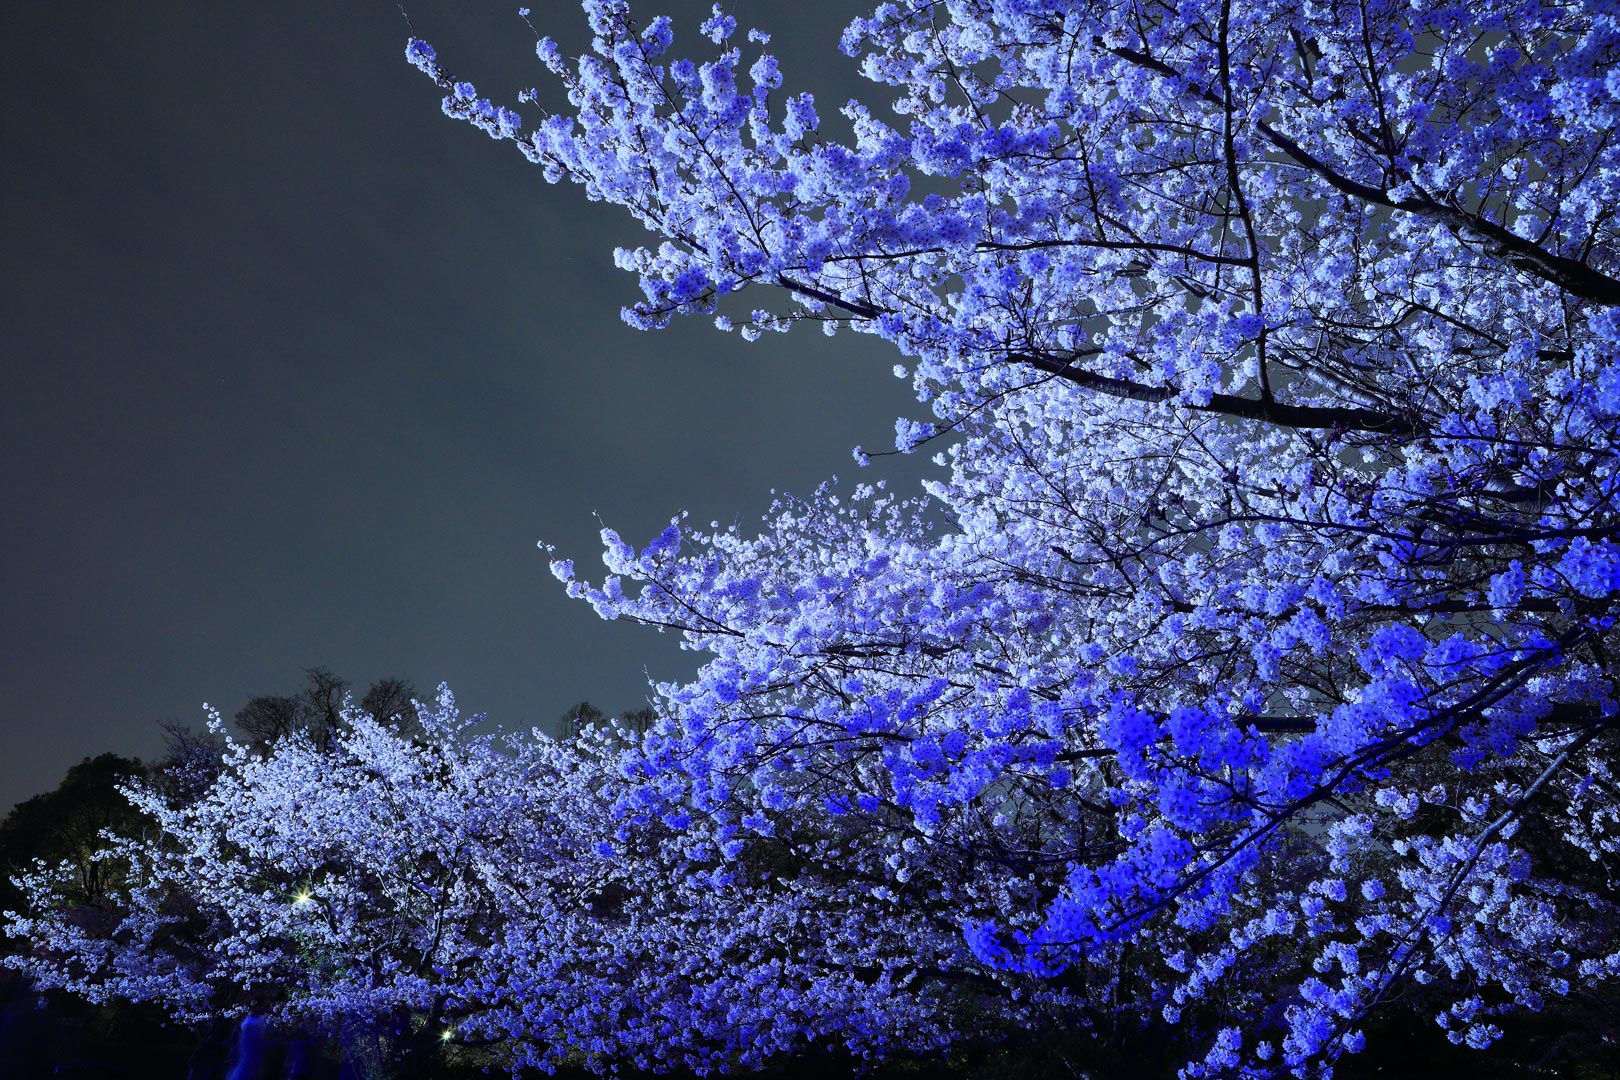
68,1040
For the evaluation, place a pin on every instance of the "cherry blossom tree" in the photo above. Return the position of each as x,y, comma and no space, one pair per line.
411,892
1242,677
1258,626
333,888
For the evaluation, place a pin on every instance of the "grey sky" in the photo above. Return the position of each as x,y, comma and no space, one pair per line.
296,371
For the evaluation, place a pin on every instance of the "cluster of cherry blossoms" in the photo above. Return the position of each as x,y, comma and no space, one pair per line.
1245,672
441,890
1274,358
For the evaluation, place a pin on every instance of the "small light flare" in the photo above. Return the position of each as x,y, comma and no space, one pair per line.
447,1034
301,898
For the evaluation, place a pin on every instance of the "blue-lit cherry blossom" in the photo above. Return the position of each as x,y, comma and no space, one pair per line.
1245,670
1259,621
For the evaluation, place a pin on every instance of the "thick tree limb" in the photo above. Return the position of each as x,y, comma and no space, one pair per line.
1272,412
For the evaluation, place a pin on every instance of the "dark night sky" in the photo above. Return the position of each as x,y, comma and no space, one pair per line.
296,371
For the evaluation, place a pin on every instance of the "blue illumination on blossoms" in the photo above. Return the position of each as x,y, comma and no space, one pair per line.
1244,667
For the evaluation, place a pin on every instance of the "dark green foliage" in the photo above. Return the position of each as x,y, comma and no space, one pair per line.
64,825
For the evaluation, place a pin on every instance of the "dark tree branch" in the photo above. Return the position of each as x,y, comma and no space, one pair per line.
1477,233
1271,412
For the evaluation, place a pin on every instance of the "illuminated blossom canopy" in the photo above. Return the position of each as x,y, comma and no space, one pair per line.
1245,671
442,890
1259,623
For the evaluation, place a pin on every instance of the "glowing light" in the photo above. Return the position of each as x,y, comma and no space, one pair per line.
301,899
447,1034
